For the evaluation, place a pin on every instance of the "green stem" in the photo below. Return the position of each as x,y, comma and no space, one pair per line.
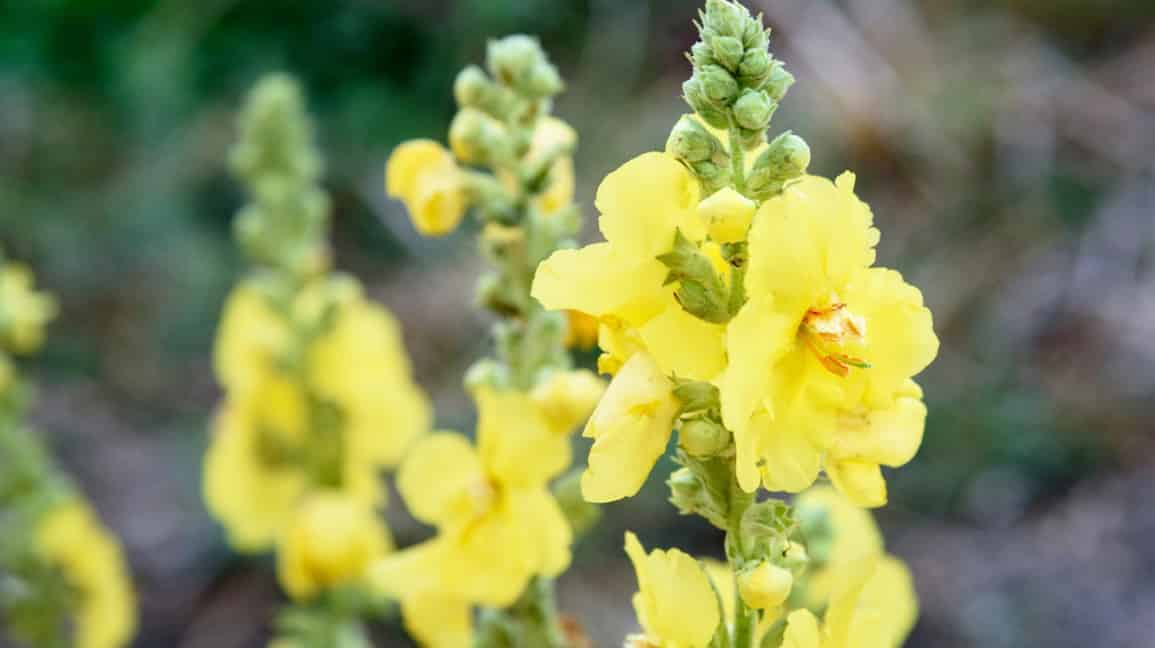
737,160
745,619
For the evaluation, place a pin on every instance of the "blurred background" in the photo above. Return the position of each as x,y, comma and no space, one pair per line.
1006,148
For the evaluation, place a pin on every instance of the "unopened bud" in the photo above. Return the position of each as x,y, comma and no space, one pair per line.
474,136
691,141
702,437
784,159
796,557
779,82
728,51
754,109
765,586
701,55
755,35
543,81
685,491
726,18
471,87
717,84
510,59
754,70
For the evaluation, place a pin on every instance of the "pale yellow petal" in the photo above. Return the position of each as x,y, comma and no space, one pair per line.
517,444
900,338
683,345
802,631
643,201
676,604
861,482
600,280
440,478
438,620
790,462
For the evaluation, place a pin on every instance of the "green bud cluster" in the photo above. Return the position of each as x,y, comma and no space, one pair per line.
736,86
283,227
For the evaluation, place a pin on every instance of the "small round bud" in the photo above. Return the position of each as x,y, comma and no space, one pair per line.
685,490
511,59
754,109
702,437
779,82
691,141
755,35
765,586
471,87
472,135
701,55
696,97
543,81
784,159
717,84
754,69
726,18
728,51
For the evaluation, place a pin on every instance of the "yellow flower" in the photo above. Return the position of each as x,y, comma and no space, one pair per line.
630,428
497,523
621,282
550,133
424,176
331,542
566,398
873,606
70,537
675,603
821,356
581,330
24,312
265,453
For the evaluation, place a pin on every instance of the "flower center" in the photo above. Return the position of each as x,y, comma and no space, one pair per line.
828,331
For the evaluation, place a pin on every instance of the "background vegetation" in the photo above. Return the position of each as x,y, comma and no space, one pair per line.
1006,147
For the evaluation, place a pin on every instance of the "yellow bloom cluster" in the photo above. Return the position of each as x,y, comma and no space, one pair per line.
319,397
813,365
69,537
24,312
497,523
437,190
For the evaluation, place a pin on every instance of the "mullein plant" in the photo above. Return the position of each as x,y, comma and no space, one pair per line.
739,305
63,577
318,395
504,508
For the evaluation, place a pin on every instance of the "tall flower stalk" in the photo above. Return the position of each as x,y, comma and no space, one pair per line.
739,305
502,534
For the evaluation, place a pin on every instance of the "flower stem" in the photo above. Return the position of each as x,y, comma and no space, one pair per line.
745,619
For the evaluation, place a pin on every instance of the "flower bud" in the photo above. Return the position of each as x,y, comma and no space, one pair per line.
726,18
685,491
543,81
474,136
784,159
796,557
765,586
755,36
727,214
754,69
512,59
728,51
471,87
691,141
712,175
779,82
754,109
718,86
702,437
701,55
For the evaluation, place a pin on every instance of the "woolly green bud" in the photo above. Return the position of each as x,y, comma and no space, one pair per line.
520,63
784,159
544,81
472,87
754,70
753,110
701,55
695,95
719,86
728,51
691,141
755,36
702,437
475,137
685,491
779,82
726,18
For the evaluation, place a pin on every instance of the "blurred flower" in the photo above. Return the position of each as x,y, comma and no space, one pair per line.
424,176
581,330
24,312
872,604
69,537
823,350
331,542
497,523
330,410
675,603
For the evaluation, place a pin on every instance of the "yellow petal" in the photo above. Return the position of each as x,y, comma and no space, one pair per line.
860,481
566,398
809,240
675,604
873,604
900,338
517,444
441,478
802,631
548,535
424,175
631,428
728,215
790,462
599,280
643,201
409,162
438,620
250,338
683,345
